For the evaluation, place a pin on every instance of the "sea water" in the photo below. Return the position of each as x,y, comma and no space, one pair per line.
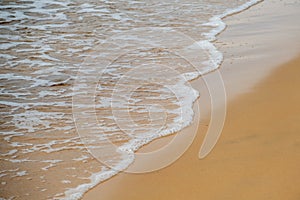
79,76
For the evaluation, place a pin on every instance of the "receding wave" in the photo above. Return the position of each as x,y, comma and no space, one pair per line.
120,69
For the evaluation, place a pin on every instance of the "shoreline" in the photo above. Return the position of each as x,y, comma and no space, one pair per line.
254,159
106,189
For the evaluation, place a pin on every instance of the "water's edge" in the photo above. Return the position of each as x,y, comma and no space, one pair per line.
216,59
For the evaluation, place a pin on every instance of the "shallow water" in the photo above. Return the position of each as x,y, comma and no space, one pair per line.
119,69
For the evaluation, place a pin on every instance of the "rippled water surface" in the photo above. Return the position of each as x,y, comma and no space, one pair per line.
124,52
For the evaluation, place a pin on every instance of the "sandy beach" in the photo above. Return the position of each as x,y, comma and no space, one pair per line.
258,154
110,100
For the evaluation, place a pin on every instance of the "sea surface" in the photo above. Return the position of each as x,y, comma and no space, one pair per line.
84,84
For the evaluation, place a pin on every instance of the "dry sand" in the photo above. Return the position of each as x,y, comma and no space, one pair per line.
258,153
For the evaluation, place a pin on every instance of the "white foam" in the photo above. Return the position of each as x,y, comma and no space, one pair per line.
29,120
2,175
48,147
11,152
66,181
216,57
187,96
82,158
20,160
21,173
96,178
52,163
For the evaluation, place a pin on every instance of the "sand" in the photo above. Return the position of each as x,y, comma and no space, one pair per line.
258,153
257,156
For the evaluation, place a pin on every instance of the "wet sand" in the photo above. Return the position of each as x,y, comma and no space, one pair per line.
258,153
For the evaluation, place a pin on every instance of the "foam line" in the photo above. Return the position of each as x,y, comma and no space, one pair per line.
216,58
